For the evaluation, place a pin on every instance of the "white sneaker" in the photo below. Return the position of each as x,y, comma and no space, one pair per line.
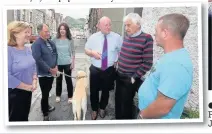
57,99
69,100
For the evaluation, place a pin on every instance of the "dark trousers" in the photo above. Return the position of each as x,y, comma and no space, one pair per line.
100,80
19,104
67,70
125,92
45,86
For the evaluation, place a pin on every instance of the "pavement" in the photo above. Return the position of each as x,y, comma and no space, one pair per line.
63,110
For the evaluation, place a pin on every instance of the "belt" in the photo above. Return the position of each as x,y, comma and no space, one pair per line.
99,69
123,75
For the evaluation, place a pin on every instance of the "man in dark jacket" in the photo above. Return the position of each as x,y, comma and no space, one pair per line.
45,55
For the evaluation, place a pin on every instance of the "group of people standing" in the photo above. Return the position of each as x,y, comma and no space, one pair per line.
39,62
162,88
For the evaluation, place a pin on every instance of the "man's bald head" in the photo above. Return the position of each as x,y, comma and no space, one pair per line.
104,25
104,19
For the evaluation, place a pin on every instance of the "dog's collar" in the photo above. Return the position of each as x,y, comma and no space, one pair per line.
81,77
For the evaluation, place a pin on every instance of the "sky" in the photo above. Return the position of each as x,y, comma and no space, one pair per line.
74,13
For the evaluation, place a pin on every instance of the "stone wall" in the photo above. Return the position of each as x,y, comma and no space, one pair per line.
150,17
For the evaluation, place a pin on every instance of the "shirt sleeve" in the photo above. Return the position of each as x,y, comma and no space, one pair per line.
34,66
88,44
34,69
72,49
175,81
147,57
119,44
13,82
36,53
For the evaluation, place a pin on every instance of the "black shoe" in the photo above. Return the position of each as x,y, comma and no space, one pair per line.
102,113
46,118
51,108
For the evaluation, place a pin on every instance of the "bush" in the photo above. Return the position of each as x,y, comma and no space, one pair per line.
190,114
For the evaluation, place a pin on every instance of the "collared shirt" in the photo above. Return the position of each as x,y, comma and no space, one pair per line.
137,33
96,41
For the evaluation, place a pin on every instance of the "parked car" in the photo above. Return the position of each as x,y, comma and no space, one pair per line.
78,37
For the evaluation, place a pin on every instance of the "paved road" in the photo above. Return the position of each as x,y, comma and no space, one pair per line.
79,44
63,109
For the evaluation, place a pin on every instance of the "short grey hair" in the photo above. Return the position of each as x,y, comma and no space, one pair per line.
176,23
136,18
39,28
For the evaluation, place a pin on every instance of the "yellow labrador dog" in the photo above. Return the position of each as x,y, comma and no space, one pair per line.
79,100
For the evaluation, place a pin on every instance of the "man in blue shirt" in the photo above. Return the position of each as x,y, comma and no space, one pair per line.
103,48
166,87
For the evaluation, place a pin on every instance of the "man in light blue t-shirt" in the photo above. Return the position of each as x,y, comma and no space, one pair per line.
167,85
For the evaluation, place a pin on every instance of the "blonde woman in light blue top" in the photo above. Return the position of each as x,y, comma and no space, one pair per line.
65,49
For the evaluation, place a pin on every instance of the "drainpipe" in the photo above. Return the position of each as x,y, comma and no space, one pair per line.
124,13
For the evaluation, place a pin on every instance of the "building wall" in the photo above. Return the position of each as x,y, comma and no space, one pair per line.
150,18
37,18
94,16
116,16
10,16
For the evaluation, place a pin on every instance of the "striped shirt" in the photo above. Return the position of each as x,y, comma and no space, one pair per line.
136,55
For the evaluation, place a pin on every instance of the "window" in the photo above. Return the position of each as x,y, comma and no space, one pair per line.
18,15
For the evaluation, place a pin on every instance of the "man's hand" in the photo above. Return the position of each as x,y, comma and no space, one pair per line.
53,71
116,65
71,66
132,80
96,54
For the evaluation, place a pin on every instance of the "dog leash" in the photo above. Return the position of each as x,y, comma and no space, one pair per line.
62,73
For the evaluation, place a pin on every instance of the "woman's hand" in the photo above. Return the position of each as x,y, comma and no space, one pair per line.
34,85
